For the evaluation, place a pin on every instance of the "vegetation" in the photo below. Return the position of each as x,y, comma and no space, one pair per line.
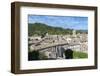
36,55
70,54
77,54
33,55
41,29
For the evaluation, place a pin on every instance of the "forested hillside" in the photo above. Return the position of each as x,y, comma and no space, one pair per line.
40,29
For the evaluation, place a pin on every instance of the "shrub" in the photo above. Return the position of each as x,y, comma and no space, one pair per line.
34,55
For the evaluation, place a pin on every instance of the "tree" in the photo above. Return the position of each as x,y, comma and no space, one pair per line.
68,54
34,55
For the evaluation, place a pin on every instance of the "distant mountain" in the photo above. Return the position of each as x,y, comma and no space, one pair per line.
41,29
82,31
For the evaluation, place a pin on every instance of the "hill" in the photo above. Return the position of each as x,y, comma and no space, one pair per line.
40,29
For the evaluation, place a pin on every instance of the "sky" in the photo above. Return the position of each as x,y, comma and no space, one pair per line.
71,22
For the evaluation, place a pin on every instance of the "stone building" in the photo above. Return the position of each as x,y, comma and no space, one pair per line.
75,42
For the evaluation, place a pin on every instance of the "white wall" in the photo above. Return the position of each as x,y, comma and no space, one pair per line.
5,42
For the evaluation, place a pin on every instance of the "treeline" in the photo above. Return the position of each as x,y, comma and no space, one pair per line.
40,29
